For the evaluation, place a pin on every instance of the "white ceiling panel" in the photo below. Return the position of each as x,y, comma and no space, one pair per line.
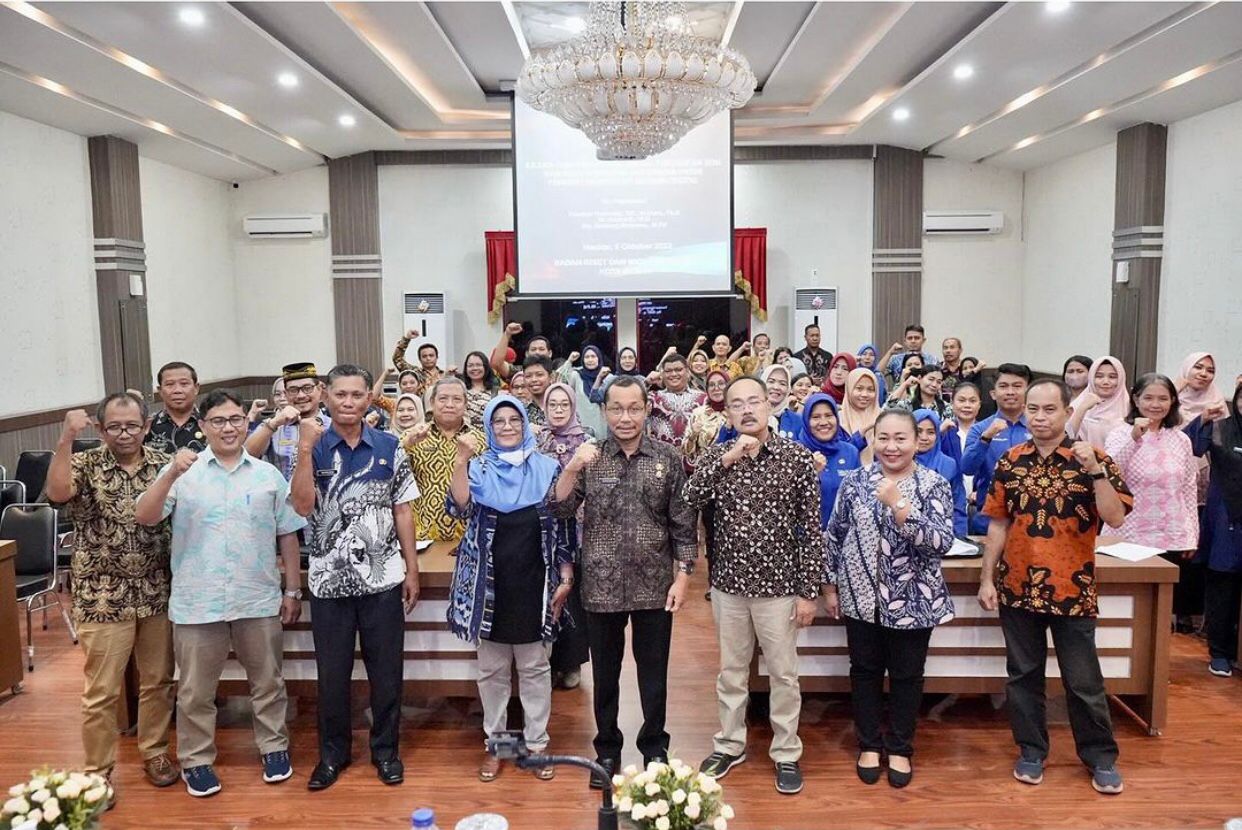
763,33
481,34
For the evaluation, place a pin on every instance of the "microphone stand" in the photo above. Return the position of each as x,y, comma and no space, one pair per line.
607,810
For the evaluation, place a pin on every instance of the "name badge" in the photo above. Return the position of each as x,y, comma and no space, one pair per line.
325,473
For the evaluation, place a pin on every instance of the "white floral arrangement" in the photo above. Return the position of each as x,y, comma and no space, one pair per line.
670,796
56,801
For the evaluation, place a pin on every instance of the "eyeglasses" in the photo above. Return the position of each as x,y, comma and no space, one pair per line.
235,421
557,405
117,430
749,404
633,411
306,389
507,423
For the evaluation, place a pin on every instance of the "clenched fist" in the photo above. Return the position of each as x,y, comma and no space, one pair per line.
513,329
288,414
76,420
466,445
411,335
1141,425
415,434
700,340
1085,453
573,357
256,409
584,456
1215,411
887,492
994,429
182,461
309,432
744,446
820,461
1088,401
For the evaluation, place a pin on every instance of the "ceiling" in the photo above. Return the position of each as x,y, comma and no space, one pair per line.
198,84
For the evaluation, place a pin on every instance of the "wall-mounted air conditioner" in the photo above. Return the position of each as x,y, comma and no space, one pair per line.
949,222
286,226
815,306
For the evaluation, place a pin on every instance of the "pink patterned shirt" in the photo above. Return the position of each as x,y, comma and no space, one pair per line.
1161,471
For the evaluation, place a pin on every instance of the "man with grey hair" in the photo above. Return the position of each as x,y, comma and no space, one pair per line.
432,448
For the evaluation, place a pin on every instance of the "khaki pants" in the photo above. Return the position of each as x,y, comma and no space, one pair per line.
496,662
201,653
740,622
108,647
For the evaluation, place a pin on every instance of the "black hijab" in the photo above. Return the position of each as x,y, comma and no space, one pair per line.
1226,454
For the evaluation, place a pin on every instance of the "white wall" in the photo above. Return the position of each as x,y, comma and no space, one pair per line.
284,286
972,285
1067,270
1201,278
191,294
432,219
48,311
818,216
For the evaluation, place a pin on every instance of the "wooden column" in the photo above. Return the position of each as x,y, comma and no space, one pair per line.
357,271
897,243
120,264
1138,246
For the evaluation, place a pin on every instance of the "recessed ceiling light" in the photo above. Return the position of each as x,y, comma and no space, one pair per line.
192,17
901,114
575,24
287,79
963,71
1057,7
347,120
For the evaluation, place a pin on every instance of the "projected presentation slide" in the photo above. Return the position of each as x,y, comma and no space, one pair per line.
652,227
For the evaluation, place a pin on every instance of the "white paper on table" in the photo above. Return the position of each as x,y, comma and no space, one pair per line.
1129,551
963,548
423,544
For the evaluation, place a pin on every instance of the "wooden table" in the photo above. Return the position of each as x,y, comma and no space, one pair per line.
967,655
437,663
11,668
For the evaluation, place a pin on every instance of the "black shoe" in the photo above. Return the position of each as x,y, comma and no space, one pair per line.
788,778
391,771
599,782
718,764
868,775
897,779
324,775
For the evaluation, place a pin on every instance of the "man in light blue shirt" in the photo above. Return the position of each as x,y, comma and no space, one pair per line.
230,513
914,338
994,436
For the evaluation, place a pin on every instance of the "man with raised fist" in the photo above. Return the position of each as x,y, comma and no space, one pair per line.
275,439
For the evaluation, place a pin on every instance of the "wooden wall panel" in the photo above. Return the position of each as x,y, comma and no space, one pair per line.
1138,240
897,243
357,269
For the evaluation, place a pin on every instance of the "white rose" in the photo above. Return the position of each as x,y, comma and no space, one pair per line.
69,789
60,826
57,778
638,812
51,810
16,806
720,823
27,825
35,816
640,779
693,810
17,790
655,767
652,788
618,781
630,771
38,783
684,771
95,793
662,823
625,805
694,798
39,796
726,811
679,796
83,780
710,786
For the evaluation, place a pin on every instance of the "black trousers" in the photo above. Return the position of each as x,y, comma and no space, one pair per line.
572,648
378,623
708,515
875,650
652,635
1221,598
1188,592
1026,652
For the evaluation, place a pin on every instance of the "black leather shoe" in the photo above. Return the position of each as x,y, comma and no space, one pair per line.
598,782
324,775
899,779
868,775
391,772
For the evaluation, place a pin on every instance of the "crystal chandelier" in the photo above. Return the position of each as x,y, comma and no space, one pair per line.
637,79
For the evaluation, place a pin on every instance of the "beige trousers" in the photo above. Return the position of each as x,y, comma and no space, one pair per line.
740,622
108,647
201,653
496,664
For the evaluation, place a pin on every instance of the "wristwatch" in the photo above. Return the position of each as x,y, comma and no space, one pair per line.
686,567
294,594
901,504
1100,476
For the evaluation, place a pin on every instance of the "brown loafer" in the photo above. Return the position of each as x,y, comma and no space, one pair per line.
161,771
490,768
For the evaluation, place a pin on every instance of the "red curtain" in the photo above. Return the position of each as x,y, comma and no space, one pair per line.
501,267
750,274
750,268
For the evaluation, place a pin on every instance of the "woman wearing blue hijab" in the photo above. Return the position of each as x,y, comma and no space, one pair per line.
514,570
940,452
833,453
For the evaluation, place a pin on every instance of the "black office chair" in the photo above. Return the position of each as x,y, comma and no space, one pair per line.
84,444
33,527
11,492
32,466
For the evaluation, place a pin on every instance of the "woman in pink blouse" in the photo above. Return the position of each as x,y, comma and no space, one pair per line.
1158,464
